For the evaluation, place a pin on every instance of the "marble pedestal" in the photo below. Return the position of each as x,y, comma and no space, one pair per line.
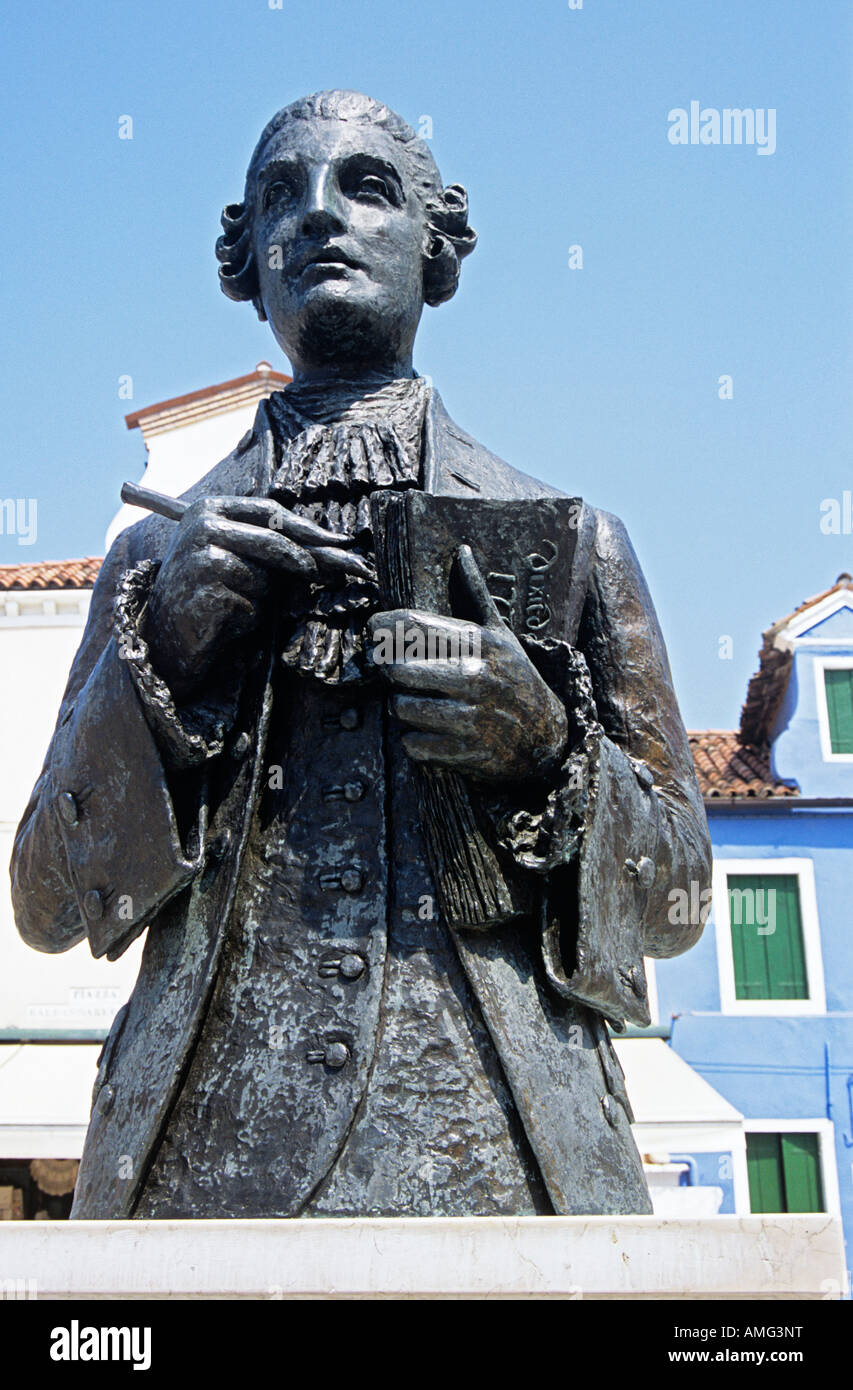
752,1257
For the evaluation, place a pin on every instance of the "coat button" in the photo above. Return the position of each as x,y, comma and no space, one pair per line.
351,966
349,719
336,1055
106,1099
68,808
645,871
351,880
93,904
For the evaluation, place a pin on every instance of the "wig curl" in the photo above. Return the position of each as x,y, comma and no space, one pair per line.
450,236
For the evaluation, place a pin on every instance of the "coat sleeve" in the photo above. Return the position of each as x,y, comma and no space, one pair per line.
98,850
626,856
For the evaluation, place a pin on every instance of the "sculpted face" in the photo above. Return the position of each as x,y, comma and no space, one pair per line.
339,235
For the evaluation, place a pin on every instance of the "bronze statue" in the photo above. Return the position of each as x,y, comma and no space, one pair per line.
391,905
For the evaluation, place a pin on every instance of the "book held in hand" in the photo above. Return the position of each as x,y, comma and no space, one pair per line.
525,551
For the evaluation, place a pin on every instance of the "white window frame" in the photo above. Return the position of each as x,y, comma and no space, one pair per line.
804,870
825,1131
822,664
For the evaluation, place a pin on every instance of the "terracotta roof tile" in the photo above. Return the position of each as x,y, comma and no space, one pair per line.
766,688
727,768
52,574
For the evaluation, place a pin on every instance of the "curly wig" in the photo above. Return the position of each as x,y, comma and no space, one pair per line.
450,236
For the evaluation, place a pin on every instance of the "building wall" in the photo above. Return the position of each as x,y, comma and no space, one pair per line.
775,1067
57,994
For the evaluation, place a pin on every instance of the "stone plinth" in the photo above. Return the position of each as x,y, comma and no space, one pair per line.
530,1257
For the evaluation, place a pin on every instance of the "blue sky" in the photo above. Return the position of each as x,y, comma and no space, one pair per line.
699,261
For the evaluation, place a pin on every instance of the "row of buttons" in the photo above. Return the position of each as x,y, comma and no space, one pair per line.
349,966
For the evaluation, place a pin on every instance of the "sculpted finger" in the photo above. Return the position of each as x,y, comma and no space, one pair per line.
254,543
341,562
263,511
471,593
402,622
434,715
456,679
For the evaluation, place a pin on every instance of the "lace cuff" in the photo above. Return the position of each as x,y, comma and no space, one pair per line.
187,737
546,833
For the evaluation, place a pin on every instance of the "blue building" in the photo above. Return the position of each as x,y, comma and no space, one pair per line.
762,1007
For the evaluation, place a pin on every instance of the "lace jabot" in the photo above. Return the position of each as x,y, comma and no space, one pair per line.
337,444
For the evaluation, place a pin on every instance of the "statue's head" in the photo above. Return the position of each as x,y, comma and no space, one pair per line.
344,233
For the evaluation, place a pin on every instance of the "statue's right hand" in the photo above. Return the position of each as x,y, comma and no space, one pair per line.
214,583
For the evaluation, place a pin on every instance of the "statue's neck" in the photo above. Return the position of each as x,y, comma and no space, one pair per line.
361,398
318,377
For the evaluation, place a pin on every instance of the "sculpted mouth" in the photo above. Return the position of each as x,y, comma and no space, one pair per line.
331,255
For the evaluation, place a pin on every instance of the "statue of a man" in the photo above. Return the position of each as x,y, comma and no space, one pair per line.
229,773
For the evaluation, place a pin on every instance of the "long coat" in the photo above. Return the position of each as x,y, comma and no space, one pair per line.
104,853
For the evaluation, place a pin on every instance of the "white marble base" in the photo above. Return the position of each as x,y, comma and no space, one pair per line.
528,1257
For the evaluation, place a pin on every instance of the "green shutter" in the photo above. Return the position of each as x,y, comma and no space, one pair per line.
784,1172
764,1165
768,964
839,705
801,1169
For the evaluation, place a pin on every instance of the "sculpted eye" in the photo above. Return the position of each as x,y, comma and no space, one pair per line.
373,185
277,192
367,184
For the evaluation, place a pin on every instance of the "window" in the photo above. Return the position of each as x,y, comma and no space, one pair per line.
834,689
784,1172
768,938
838,685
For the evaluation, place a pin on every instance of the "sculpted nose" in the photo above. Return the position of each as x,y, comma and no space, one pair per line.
322,213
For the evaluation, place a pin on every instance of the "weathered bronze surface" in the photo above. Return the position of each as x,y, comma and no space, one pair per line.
389,904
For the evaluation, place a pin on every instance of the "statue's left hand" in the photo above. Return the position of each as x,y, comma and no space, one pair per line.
488,714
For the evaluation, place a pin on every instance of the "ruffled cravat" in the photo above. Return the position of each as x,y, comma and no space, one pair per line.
338,444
